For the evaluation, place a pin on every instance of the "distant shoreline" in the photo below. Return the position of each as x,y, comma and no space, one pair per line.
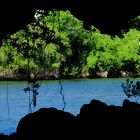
24,77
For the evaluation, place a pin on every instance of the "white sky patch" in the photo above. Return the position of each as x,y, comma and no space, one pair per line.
38,13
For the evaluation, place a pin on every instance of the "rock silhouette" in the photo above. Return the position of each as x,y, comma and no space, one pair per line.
100,120
96,120
47,123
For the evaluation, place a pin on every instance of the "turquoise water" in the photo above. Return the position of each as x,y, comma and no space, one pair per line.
77,93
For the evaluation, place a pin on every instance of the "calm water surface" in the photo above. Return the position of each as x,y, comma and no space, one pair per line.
77,93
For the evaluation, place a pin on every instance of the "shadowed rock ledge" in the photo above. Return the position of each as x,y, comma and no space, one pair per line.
96,120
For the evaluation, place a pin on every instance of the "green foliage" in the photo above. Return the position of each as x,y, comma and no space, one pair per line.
58,40
115,54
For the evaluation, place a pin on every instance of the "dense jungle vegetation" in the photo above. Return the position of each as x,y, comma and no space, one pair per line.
56,43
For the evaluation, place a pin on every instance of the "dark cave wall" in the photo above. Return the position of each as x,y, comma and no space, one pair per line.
109,17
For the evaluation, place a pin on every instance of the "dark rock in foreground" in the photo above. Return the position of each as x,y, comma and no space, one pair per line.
46,123
96,120
99,120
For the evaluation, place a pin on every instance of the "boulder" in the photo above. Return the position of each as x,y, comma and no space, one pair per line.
47,123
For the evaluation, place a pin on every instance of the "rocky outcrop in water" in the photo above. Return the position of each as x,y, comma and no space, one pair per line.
96,120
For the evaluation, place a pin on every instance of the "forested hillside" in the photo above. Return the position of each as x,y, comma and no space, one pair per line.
57,44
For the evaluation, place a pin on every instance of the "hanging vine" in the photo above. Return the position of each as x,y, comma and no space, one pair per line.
61,92
7,85
32,83
32,90
7,98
